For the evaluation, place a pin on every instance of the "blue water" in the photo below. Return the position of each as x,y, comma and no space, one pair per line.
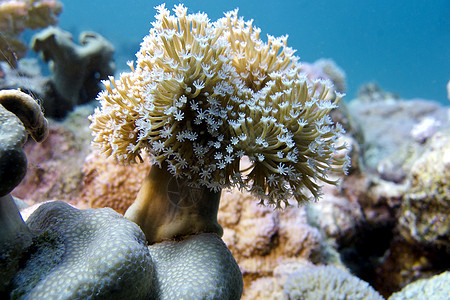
404,45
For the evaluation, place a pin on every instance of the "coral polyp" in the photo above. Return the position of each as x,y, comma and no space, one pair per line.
202,95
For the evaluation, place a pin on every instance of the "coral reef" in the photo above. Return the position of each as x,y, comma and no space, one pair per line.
391,155
327,282
92,253
261,238
262,235
403,237
337,215
386,222
372,92
76,69
26,76
18,15
405,263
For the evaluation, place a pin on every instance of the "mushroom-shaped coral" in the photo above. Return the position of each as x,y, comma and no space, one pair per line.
76,69
285,128
203,95
19,115
85,254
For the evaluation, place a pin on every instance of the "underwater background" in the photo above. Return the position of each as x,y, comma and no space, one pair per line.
402,45
383,231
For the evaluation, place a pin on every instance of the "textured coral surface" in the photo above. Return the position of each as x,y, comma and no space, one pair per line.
430,187
198,267
94,253
327,282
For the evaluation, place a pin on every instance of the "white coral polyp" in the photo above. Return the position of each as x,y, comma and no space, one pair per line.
204,94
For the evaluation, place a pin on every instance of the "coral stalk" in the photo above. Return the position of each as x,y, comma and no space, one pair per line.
167,207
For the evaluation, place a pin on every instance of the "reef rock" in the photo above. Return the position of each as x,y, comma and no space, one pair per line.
393,132
262,238
426,206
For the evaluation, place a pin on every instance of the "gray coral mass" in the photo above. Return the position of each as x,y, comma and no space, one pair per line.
104,256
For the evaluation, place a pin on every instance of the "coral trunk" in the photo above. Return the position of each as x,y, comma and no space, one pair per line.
167,207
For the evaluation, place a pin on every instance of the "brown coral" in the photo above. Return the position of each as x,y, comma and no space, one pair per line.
18,15
76,69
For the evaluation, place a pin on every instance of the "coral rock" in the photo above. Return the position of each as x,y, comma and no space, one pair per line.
430,189
84,254
436,287
261,238
109,184
198,267
327,282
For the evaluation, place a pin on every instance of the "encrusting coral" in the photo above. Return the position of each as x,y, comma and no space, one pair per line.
92,253
429,187
76,69
201,96
327,282
19,115
18,15
199,267
436,287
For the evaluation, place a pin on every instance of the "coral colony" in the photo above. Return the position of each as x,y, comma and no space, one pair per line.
18,15
203,95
